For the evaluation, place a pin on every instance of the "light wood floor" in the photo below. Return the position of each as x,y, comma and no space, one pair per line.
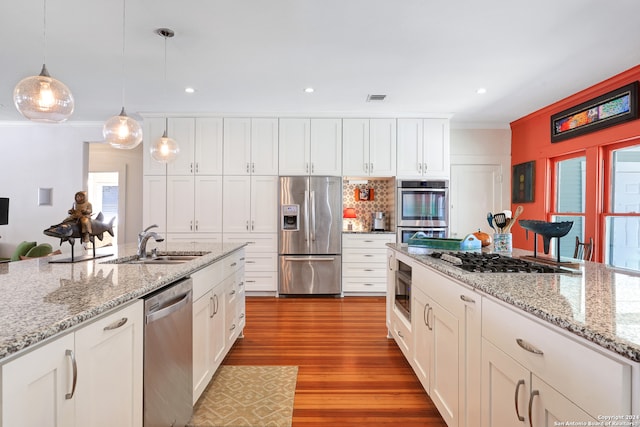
349,373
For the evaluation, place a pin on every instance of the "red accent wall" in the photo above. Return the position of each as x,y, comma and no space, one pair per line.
531,140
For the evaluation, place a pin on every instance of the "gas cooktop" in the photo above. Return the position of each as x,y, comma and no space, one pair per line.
478,262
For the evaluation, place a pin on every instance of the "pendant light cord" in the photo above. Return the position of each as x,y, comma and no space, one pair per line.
44,32
124,14
166,118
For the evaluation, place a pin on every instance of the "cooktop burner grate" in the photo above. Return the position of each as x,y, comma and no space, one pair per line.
493,263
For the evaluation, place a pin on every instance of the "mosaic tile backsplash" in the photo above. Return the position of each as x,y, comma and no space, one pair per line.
383,201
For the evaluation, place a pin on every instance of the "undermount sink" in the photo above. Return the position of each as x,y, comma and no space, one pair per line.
159,259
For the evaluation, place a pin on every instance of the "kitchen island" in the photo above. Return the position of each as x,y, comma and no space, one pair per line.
572,338
72,334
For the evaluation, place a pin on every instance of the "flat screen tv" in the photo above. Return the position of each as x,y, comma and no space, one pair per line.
4,210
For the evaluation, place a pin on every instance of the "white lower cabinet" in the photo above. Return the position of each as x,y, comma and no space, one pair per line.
364,267
218,307
92,377
261,265
446,320
553,377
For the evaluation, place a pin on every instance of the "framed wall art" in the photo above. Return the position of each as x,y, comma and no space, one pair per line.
522,182
617,106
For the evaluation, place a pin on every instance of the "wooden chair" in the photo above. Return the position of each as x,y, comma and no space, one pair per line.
583,251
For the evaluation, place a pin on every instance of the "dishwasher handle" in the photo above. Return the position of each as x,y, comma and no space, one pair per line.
176,304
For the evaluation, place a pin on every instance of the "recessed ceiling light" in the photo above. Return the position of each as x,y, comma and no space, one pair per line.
189,90
309,90
481,91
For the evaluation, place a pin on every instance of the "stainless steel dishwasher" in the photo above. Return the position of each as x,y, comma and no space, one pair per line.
168,356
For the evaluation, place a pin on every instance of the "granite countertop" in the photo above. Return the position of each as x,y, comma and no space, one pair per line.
600,303
367,232
41,299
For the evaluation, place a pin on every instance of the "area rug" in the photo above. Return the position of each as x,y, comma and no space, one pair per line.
247,396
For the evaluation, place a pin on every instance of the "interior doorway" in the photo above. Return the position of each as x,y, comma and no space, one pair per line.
104,195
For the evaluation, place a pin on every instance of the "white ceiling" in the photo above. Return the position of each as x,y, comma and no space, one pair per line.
257,56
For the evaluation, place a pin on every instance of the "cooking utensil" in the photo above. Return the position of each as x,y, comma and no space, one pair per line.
507,213
517,213
490,220
500,219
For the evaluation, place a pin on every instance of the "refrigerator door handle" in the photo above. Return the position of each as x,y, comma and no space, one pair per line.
305,259
313,216
306,215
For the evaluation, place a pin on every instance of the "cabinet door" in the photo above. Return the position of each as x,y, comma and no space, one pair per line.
183,131
208,146
34,387
153,130
237,146
505,389
436,148
264,146
180,196
264,204
422,337
236,206
326,147
203,309
109,354
382,147
294,138
444,375
551,408
409,148
154,208
208,199
355,147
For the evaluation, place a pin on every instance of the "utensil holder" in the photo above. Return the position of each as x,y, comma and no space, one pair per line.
502,242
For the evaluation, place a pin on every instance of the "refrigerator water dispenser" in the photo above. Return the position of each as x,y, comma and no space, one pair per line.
290,216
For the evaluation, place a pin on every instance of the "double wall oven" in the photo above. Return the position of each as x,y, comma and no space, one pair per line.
422,206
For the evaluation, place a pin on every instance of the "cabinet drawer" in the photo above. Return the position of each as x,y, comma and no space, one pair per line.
367,241
402,334
358,284
256,242
364,255
359,269
261,262
595,382
204,280
232,263
261,281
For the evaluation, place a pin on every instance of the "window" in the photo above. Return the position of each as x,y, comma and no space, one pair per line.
570,183
622,213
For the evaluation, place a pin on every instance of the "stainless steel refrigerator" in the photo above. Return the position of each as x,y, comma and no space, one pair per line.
310,261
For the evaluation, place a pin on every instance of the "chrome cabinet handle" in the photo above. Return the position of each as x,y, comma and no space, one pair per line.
520,417
233,292
430,311
370,167
313,167
252,225
420,167
248,170
233,264
241,284
197,167
191,225
389,258
368,255
368,284
534,393
242,315
232,327
253,168
530,348
467,299
212,307
74,365
196,225
115,325
247,225
424,316
369,269
400,335
215,304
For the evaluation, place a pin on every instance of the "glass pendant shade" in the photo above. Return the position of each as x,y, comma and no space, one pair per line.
165,149
43,99
122,131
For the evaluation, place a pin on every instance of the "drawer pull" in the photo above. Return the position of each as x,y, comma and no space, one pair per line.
520,417
368,284
400,335
233,264
534,393
251,262
530,348
116,324
369,269
467,299
368,255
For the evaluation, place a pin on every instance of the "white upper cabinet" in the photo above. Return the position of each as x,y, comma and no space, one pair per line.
200,143
369,147
199,140
251,146
423,148
250,204
310,147
193,204
153,128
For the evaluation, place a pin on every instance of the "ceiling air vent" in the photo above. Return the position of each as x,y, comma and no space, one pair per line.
375,98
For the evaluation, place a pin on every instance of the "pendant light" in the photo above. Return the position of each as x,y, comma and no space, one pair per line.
165,149
122,131
42,98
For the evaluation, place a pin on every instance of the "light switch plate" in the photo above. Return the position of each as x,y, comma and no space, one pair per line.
45,197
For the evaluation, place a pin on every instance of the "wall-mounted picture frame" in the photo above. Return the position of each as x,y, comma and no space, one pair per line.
612,108
523,182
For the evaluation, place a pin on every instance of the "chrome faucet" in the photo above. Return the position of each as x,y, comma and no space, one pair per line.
143,237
